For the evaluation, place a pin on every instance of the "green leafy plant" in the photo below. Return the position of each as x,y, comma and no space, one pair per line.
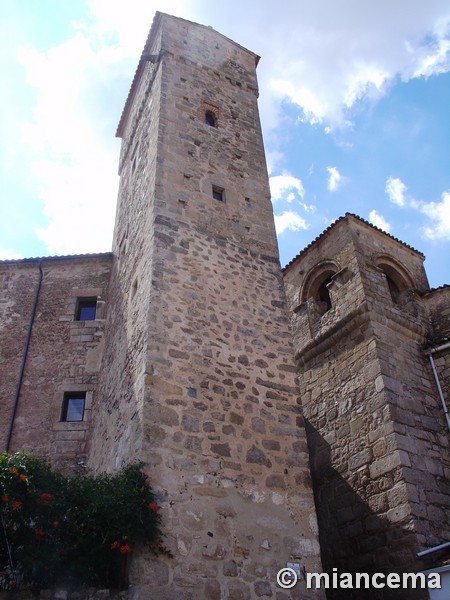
78,530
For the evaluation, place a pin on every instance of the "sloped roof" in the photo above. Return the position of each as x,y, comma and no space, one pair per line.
18,261
346,217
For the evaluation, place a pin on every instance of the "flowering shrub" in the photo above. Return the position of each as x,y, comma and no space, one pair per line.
79,530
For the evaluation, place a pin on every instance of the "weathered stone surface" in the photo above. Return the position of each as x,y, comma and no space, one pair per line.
276,482
230,569
257,456
212,590
238,591
214,552
221,449
263,588
366,393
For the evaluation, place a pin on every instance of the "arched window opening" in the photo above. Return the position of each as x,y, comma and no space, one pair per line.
396,280
393,289
323,294
210,119
316,287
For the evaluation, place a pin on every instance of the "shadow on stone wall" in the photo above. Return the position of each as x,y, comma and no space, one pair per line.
353,538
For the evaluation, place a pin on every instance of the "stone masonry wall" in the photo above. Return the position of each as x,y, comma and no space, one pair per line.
122,379
64,354
437,303
202,380
375,430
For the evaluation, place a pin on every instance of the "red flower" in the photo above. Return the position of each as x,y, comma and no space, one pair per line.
115,545
125,549
40,534
22,477
16,505
55,523
153,506
45,499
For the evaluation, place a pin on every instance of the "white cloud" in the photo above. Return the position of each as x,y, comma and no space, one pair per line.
396,189
439,213
379,221
334,179
9,254
339,52
70,140
289,221
322,56
434,58
286,187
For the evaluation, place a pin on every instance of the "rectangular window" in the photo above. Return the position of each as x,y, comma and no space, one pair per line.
218,193
86,308
73,406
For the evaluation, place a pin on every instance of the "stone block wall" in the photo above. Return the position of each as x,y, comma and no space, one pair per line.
437,303
122,378
64,354
199,380
376,432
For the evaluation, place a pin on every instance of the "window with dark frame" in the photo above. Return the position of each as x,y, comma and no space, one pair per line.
73,407
218,193
86,309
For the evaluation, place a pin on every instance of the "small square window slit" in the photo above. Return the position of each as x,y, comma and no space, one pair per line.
86,309
218,193
73,406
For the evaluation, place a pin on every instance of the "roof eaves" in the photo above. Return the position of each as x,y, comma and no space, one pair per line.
345,218
37,259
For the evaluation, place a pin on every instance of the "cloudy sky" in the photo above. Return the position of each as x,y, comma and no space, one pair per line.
354,101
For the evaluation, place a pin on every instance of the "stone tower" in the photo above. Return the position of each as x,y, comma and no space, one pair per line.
198,377
362,315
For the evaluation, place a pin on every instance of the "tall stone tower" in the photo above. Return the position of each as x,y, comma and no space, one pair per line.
198,378
362,316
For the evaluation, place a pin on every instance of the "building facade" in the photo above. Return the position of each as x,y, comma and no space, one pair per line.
178,349
365,325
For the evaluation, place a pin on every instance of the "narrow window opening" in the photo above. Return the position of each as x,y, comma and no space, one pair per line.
134,159
123,245
134,288
395,281
393,289
218,193
323,294
73,406
210,119
86,309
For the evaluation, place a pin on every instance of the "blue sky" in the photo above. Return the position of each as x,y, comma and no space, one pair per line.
354,102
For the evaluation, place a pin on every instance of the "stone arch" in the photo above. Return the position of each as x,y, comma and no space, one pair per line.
316,284
397,277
